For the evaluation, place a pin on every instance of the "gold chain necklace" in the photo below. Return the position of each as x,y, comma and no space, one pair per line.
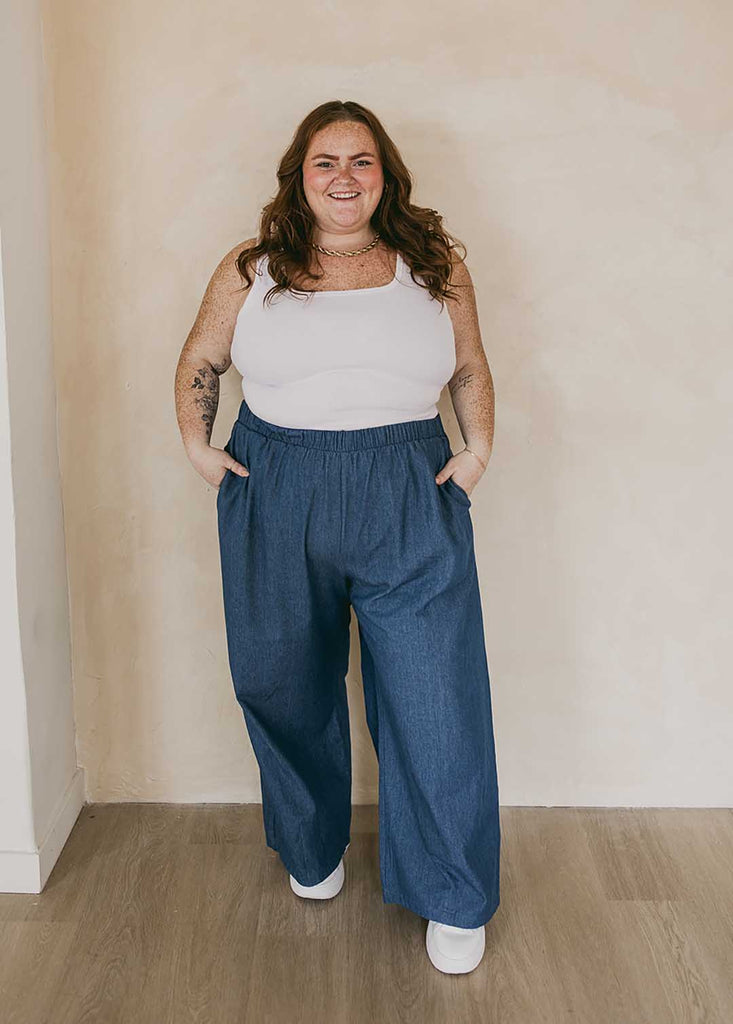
354,252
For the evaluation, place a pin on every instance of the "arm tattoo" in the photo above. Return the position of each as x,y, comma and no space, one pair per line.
206,382
462,381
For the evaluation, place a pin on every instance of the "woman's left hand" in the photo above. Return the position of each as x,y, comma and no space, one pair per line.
465,468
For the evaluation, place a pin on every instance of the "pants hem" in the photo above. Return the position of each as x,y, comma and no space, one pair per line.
324,874
459,919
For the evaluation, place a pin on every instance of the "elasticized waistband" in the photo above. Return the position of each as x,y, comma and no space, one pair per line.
344,440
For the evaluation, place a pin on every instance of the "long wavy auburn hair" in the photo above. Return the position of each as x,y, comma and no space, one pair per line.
287,221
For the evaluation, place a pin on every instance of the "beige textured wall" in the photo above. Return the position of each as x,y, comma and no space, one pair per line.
584,153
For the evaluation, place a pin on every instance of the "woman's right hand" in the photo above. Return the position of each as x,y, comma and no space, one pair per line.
212,463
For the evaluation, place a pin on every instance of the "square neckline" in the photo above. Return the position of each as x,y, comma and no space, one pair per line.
358,291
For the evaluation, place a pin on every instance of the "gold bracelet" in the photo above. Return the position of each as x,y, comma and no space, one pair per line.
474,453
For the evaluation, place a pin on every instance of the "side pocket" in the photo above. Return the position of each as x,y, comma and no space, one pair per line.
238,447
457,491
454,491
227,472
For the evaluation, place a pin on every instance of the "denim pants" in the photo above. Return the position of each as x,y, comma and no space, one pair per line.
333,519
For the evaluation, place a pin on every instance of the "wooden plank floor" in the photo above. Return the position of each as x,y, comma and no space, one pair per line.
172,914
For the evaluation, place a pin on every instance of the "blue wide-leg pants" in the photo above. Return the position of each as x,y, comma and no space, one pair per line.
333,519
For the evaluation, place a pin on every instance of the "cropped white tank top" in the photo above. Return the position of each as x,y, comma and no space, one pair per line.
341,360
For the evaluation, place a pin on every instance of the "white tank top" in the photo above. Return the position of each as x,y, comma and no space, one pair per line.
341,360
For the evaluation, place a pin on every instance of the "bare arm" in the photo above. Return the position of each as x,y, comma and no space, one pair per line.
471,387
204,358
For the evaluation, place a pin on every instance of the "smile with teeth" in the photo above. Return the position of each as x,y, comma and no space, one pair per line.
344,195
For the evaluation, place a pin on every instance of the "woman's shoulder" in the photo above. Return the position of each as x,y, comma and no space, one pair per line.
241,247
232,279
226,275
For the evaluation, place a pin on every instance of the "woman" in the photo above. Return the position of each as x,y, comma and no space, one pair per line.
338,489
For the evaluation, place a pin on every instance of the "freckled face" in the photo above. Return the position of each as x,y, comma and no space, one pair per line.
343,158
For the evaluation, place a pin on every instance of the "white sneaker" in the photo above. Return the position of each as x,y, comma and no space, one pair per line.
454,950
324,890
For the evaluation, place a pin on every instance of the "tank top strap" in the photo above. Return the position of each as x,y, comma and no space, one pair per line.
262,280
261,266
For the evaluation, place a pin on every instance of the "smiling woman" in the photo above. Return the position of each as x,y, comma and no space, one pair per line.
338,489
